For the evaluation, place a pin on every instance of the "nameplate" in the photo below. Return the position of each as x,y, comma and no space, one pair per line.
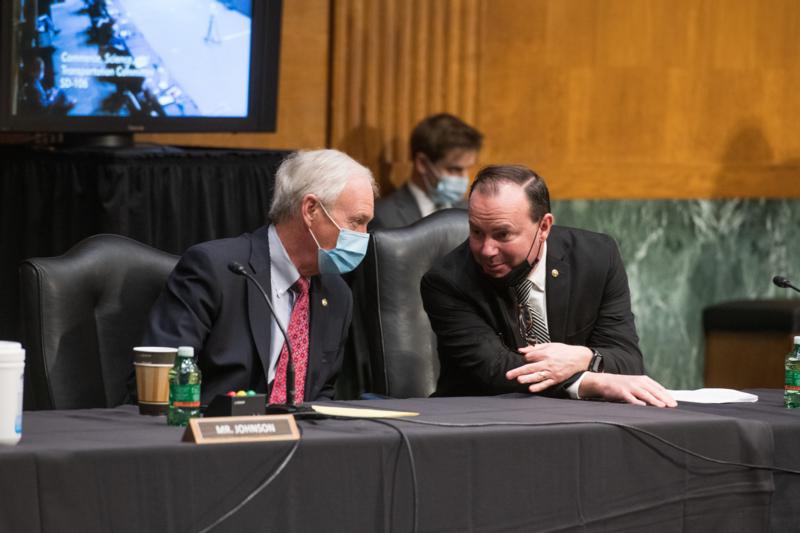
241,429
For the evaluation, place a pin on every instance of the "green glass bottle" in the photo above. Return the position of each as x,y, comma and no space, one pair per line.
791,389
184,388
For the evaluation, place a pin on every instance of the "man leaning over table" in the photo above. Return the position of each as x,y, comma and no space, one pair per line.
524,305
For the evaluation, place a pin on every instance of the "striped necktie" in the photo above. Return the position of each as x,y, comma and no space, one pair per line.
530,316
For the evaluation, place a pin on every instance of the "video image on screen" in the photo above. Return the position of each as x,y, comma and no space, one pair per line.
134,58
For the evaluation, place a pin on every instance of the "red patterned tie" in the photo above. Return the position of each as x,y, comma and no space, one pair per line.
298,335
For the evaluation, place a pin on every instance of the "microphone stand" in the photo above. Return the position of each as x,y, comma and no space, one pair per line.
288,408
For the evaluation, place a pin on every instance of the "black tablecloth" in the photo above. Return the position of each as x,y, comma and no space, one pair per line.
167,197
785,426
574,468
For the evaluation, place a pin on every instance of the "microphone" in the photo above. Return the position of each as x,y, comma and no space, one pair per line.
289,407
784,283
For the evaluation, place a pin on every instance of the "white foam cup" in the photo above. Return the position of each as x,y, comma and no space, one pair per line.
12,372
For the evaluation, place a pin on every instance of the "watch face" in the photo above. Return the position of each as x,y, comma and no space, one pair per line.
596,364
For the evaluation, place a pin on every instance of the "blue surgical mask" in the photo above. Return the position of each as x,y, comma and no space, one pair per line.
351,247
449,190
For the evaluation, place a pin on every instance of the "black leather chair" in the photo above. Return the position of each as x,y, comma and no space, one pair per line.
398,336
83,312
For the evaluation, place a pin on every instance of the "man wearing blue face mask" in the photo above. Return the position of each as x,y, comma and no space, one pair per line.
321,206
443,149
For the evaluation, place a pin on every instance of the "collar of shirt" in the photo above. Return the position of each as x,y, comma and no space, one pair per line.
283,273
537,275
425,204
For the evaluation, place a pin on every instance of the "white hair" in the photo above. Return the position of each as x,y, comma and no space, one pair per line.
323,173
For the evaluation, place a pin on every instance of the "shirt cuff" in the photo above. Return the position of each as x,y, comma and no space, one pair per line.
573,389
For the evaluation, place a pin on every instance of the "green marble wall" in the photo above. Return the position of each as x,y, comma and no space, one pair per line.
683,255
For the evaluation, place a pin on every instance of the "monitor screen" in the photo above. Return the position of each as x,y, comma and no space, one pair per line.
140,65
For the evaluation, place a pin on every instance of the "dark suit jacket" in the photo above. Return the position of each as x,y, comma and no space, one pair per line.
398,210
225,318
588,304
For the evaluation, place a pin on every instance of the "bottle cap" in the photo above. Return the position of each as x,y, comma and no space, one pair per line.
185,351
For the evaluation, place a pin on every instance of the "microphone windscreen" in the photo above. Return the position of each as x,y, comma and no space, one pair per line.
236,268
780,281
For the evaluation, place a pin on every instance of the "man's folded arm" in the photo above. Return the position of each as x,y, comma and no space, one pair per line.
468,341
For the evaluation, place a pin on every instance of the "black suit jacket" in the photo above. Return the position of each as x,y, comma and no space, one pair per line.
225,318
399,209
476,326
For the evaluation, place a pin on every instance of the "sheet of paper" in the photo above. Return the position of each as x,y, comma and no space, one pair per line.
713,396
355,412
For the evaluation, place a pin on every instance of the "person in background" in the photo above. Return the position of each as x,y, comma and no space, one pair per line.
37,100
443,149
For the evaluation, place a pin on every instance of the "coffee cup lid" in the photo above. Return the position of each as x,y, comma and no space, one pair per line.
155,349
161,355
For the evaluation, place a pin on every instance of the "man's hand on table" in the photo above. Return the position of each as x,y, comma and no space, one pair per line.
638,390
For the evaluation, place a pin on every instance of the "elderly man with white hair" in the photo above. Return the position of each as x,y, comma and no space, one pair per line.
322,203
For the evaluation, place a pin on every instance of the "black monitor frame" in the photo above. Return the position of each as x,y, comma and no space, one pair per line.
263,91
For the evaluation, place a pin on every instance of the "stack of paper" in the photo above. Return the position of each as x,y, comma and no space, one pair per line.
713,396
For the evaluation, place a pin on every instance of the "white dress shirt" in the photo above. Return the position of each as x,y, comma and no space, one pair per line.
283,274
424,202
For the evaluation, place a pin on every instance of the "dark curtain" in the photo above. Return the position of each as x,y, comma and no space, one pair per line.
169,198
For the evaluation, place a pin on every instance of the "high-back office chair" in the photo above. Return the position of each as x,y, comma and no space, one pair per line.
83,312
401,343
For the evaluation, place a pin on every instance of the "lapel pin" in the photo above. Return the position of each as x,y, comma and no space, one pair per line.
554,273
324,302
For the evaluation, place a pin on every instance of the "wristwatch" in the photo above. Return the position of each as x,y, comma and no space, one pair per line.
596,364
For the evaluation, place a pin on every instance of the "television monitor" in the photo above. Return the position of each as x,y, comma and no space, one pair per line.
130,66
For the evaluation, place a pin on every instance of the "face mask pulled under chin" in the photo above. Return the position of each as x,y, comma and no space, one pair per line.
520,271
517,274
350,249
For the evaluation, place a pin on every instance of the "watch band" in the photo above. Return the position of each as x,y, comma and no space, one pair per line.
596,363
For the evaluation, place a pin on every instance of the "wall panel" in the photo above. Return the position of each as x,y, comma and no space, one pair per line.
644,98
394,62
